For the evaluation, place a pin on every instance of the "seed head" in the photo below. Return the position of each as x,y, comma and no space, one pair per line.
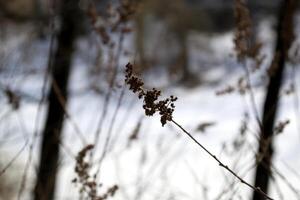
151,102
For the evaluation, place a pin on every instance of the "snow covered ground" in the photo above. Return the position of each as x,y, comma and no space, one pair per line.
162,163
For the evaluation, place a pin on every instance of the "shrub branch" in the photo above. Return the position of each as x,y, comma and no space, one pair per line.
165,109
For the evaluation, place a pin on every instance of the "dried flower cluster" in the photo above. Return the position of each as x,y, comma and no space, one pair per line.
100,29
227,90
241,87
88,184
240,140
294,56
126,10
290,90
135,133
279,128
13,98
115,18
109,193
243,29
243,35
202,127
82,170
151,105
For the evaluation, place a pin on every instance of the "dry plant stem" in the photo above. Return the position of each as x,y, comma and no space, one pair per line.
117,169
2,117
42,100
220,163
202,184
67,149
67,114
108,95
286,181
251,93
101,120
296,98
278,189
276,171
166,155
13,159
120,128
110,129
230,183
293,171
151,106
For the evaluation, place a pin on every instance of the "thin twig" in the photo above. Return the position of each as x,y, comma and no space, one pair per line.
109,93
13,159
257,189
296,97
39,109
251,93
62,102
109,133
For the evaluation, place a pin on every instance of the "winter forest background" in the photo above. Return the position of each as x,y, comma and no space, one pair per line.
149,99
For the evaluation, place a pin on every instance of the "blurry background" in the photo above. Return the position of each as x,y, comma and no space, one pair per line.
183,47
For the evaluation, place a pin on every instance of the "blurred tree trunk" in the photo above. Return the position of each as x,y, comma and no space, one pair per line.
139,39
187,77
60,71
183,57
284,40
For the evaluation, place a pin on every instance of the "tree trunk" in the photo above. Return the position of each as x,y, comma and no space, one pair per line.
60,71
283,43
